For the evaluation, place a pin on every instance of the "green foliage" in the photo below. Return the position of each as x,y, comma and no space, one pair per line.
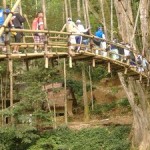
76,87
123,102
103,108
98,73
17,137
111,138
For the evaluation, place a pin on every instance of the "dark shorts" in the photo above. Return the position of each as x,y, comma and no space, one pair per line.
18,37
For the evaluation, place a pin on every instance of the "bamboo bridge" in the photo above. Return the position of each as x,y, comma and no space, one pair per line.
57,46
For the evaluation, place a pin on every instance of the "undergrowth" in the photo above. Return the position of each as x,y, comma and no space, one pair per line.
110,138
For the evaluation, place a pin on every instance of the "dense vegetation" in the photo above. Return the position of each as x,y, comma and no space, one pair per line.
109,138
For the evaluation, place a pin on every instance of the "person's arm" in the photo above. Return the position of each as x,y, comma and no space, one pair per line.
63,28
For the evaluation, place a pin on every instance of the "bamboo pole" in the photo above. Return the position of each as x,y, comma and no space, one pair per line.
86,106
54,108
46,39
2,100
9,17
79,8
65,94
20,8
70,61
4,4
10,64
84,13
91,88
70,9
136,23
103,16
66,9
44,12
112,21
93,62
109,68
36,3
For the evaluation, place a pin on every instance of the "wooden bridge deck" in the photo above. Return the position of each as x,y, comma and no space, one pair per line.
89,57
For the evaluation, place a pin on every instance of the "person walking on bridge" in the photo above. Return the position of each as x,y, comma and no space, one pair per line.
82,30
38,24
71,27
16,22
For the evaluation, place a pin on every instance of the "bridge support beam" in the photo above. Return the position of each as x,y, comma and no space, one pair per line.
109,67
139,99
93,62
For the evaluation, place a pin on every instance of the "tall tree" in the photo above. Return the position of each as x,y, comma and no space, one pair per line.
125,20
138,97
144,16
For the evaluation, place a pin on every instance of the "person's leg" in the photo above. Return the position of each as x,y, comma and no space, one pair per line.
36,41
18,37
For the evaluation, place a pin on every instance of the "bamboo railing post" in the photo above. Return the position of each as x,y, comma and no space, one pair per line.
65,94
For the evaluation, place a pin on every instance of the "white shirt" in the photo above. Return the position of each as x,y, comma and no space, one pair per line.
81,28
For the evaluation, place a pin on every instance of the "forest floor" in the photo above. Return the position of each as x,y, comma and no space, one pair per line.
118,120
107,92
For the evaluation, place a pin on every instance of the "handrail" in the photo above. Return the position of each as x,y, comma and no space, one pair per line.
68,33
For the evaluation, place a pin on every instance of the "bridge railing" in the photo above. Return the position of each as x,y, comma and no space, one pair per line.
60,40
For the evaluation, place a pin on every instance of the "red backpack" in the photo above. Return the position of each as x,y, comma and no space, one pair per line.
35,24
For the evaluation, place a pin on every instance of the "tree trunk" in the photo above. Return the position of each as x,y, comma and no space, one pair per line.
84,13
125,20
70,9
79,8
101,2
139,100
144,23
66,9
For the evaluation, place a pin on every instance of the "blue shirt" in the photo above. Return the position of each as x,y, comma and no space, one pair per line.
1,16
99,33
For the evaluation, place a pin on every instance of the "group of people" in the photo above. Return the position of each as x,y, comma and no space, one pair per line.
121,52
76,28
16,22
116,52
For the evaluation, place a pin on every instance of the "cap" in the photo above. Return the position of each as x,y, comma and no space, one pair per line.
78,21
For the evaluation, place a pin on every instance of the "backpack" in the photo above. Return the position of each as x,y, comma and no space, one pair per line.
1,17
35,24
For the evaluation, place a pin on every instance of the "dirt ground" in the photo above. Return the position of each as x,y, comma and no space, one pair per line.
107,91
